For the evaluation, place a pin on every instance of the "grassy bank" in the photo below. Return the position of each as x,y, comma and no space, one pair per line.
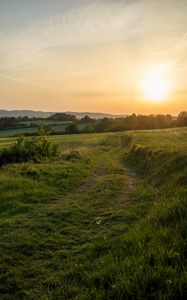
106,220
161,159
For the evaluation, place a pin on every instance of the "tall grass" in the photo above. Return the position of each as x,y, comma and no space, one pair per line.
70,228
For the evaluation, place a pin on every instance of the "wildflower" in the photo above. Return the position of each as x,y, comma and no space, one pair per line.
98,221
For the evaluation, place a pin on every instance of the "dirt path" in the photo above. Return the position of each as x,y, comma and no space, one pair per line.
97,180
130,185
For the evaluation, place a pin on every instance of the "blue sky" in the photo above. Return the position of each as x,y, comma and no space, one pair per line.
16,14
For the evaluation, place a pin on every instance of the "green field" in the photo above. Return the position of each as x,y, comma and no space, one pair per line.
4,142
31,127
105,220
45,122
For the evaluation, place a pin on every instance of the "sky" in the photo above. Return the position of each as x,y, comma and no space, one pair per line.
114,56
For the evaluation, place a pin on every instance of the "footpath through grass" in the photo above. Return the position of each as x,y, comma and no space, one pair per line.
107,220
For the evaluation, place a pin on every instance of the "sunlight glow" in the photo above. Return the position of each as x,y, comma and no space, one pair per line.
155,85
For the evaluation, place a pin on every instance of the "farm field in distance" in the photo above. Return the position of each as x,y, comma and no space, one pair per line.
105,220
31,127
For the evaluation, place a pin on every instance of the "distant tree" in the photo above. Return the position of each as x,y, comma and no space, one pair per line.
104,125
44,129
88,128
169,120
86,120
8,122
72,129
182,119
63,117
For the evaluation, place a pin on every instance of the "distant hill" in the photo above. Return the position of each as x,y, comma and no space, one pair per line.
24,113
96,115
42,114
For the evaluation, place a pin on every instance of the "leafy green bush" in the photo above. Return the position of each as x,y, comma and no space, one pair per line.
28,149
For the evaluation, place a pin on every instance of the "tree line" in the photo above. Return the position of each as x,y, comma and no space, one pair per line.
89,125
132,122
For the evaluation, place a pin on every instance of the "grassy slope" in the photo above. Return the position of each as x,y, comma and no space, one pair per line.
89,228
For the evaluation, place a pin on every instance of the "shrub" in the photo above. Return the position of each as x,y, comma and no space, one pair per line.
28,149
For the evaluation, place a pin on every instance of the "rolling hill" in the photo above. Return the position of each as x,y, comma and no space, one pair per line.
42,114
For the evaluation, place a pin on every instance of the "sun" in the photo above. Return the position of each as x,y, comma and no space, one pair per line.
155,85
155,89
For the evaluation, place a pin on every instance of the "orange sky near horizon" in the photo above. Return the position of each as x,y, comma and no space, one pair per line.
118,57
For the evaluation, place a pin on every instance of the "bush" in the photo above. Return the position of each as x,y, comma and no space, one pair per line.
28,149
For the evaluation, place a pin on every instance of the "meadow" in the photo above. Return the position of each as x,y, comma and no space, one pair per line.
107,219
31,127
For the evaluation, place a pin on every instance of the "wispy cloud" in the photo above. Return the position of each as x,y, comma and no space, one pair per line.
91,24
28,82
32,52
175,50
172,55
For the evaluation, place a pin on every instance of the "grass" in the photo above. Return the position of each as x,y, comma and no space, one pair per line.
44,121
107,220
32,127
170,140
6,141
56,126
67,141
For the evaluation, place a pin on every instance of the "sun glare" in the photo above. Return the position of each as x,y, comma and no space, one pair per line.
156,89
155,85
